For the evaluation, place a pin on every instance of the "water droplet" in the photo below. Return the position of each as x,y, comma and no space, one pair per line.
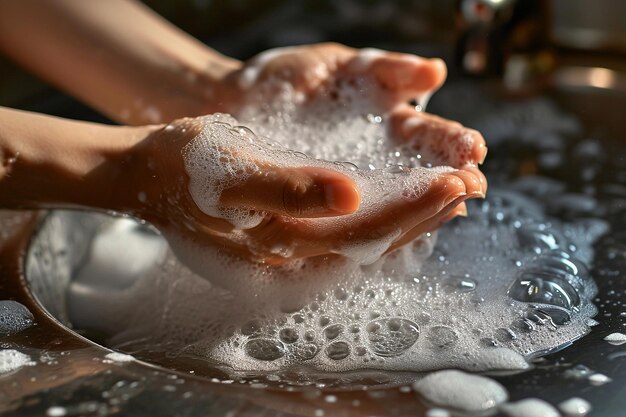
461,284
374,119
349,165
488,342
397,169
505,335
539,240
340,294
360,351
549,315
545,288
309,335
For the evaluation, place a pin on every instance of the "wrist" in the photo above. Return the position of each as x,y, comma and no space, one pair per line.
52,162
129,170
185,87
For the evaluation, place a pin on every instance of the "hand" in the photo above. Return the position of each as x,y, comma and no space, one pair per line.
396,78
293,203
311,69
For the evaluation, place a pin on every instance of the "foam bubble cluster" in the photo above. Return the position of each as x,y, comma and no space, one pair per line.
217,159
11,360
225,154
14,317
502,285
513,286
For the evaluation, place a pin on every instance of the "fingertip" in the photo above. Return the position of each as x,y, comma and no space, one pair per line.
482,153
458,211
339,194
453,184
438,72
428,75
342,196
409,74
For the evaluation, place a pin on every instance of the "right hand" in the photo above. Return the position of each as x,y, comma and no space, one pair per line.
290,198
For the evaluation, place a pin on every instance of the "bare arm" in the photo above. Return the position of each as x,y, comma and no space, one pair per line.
48,162
116,55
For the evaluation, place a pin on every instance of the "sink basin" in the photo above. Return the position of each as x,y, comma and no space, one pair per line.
48,267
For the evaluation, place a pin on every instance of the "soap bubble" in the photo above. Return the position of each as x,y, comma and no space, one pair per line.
391,336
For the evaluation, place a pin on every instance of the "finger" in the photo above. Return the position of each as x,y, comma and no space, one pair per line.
295,192
407,76
454,209
396,216
479,177
476,187
439,141
408,73
306,238
458,211
474,180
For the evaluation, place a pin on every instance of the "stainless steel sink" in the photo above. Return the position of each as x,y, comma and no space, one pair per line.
45,259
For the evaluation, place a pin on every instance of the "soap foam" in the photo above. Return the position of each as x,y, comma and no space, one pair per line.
119,357
616,338
11,360
503,285
530,407
467,306
14,317
461,391
225,154
575,407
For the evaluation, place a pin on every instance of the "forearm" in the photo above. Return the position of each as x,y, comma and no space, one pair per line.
52,162
116,55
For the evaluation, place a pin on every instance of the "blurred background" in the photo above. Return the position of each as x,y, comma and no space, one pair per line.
543,80
522,43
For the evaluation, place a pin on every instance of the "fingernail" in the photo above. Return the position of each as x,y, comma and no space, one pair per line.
482,159
477,194
342,196
453,198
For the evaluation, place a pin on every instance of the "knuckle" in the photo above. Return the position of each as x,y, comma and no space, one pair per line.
293,193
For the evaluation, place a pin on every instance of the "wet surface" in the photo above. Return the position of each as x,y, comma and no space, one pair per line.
72,376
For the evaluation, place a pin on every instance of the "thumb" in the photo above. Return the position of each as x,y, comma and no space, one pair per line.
295,192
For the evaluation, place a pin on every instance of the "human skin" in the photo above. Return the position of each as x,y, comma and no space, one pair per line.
50,162
151,72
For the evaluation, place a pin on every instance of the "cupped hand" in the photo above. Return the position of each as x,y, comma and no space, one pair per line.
294,202
386,82
311,70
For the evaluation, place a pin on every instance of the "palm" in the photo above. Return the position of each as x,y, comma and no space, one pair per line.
309,70
310,73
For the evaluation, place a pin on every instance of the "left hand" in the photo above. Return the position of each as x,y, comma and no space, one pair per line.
311,69
393,79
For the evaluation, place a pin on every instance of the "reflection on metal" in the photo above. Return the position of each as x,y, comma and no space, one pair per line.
580,77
